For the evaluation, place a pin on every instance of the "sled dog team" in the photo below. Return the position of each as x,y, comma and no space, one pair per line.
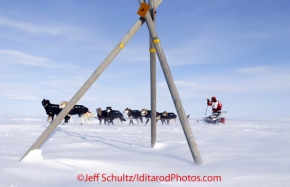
108,115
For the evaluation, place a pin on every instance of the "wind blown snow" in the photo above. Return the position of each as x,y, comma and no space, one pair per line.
238,153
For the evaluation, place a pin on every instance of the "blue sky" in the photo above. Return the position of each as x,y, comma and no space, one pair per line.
237,51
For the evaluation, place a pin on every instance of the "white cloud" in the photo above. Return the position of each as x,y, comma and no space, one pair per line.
71,83
18,91
179,84
254,69
17,57
30,27
261,80
73,33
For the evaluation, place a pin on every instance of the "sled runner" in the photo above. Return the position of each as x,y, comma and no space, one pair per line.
216,118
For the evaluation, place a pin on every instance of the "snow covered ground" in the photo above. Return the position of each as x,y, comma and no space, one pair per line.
239,153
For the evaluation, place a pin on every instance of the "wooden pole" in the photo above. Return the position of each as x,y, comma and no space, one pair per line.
152,77
173,90
87,85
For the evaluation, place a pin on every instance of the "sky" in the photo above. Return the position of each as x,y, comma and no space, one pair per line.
237,51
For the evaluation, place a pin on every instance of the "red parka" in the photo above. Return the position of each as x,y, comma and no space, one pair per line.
216,105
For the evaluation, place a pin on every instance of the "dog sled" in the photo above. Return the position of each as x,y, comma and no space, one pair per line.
217,118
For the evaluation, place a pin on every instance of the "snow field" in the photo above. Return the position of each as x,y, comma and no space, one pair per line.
242,153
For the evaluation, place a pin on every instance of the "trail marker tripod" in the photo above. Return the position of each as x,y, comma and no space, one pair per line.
147,13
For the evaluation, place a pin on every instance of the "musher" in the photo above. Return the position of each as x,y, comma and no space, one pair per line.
215,104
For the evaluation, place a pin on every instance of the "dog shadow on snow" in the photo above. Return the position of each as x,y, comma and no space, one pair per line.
95,138
99,139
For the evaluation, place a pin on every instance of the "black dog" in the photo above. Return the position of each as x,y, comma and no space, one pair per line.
169,116
102,115
79,110
147,114
51,109
161,117
133,114
114,114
